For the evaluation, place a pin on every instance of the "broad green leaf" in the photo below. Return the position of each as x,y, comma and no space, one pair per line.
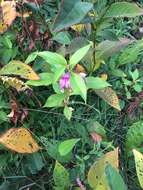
96,175
109,96
70,13
45,80
57,73
54,59
66,146
134,137
124,9
78,85
61,177
19,68
78,55
68,112
55,100
139,166
114,179
96,83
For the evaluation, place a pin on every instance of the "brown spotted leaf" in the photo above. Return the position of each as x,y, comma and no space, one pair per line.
7,14
19,140
109,95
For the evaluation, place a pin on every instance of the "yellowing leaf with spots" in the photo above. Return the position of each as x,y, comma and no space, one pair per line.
109,95
139,166
78,27
21,69
19,140
96,175
7,14
14,82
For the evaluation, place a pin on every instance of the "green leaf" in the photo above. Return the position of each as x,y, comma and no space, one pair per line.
68,112
124,9
78,85
62,37
31,57
66,146
134,137
55,100
61,177
96,83
35,162
54,59
134,74
45,80
78,55
70,13
114,179
139,166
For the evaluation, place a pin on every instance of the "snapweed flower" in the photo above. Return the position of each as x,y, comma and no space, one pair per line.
65,81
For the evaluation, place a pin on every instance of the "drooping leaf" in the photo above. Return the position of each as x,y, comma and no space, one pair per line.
96,175
109,96
45,80
19,68
78,55
19,140
139,166
114,179
96,83
108,48
55,100
7,14
134,137
124,9
78,85
61,177
70,13
66,146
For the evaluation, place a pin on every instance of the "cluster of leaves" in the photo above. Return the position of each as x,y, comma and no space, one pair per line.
64,66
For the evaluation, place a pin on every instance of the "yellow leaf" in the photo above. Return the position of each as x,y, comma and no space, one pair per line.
96,175
18,84
19,68
104,76
19,140
109,96
139,166
7,14
78,27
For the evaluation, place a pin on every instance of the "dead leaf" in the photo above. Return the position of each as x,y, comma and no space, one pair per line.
19,140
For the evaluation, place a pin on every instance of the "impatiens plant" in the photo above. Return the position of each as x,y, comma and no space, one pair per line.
65,78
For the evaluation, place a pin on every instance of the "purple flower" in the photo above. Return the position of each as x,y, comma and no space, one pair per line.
65,81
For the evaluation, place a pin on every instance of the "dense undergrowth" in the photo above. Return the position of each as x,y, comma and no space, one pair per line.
79,99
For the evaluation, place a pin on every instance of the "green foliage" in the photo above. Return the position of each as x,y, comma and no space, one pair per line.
114,178
61,177
134,137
